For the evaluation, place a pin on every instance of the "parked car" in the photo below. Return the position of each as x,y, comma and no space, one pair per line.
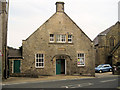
116,69
103,68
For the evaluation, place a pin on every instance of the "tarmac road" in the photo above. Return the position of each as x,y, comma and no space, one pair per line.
102,81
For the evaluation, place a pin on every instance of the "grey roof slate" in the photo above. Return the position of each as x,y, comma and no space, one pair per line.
103,33
12,52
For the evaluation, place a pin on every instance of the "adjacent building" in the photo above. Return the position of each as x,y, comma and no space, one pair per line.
119,11
4,5
14,60
59,46
107,45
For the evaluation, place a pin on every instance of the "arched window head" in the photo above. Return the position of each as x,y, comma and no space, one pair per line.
112,42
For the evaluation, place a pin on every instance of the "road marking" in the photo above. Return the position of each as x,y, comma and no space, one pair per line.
63,79
64,86
108,80
3,84
15,83
84,84
102,76
77,85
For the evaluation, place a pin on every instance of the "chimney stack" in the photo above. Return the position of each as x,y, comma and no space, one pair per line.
59,6
119,11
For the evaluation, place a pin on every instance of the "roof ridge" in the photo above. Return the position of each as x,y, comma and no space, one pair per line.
95,40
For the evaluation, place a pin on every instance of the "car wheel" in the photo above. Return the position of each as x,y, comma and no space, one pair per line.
110,70
100,71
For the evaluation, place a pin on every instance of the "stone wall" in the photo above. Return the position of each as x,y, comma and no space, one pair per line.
107,43
3,41
116,56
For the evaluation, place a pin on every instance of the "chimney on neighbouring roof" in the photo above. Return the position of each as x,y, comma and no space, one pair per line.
119,11
59,6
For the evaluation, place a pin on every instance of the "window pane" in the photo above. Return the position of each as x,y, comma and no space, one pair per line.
41,55
82,55
51,37
69,38
42,64
57,37
42,60
39,64
36,64
36,55
39,58
36,60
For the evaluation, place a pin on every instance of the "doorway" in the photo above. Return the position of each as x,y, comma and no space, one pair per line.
16,66
109,60
60,66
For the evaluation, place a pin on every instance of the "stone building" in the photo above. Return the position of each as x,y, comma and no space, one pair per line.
107,45
14,60
119,11
59,46
4,6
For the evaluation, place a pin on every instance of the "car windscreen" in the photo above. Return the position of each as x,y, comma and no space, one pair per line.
99,66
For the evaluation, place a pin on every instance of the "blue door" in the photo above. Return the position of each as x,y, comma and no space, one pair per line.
16,66
58,66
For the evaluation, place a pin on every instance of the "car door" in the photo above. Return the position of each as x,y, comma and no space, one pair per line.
106,68
103,68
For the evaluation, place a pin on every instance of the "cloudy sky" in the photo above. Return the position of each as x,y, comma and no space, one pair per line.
92,16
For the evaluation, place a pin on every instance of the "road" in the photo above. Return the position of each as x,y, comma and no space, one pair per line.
100,82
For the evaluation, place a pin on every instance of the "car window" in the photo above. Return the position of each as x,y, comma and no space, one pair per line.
99,66
105,66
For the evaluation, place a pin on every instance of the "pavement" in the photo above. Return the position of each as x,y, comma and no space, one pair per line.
118,88
21,80
105,74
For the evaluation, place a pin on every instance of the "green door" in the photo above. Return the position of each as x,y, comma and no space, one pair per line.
16,66
58,66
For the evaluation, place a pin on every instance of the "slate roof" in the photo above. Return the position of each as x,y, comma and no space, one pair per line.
14,53
103,33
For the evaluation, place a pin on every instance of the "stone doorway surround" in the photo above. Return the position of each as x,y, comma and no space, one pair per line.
61,56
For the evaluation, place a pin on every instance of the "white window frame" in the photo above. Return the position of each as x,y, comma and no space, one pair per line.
70,38
38,60
80,58
60,38
52,38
